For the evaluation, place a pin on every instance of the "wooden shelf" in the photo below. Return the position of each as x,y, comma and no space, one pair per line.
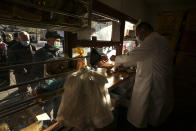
99,7
88,43
25,23
60,17
42,8
126,38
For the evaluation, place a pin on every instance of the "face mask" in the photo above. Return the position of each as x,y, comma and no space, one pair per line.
57,44
25,43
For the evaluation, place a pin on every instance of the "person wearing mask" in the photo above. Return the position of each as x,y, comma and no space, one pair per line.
48,52
152,96
4,75
22,53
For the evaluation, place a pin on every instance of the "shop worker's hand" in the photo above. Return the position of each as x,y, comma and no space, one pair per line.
126,51
112,58
104,58
25,70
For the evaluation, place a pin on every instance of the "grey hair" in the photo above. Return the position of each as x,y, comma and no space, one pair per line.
23,33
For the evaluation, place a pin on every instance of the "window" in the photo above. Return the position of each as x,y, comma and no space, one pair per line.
129,37
128,26
102,30
36,38
37,35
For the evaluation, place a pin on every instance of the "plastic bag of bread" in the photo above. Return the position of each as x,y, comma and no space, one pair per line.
85,102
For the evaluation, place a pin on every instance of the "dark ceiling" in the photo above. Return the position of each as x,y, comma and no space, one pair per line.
171,3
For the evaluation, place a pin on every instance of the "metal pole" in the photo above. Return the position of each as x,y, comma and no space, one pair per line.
18,110
38,63
34,81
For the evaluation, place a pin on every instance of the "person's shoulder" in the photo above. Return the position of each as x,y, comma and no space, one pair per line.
154,37
3,44
14,46
157,35
33,47
17,45
161,37
40,51
12,42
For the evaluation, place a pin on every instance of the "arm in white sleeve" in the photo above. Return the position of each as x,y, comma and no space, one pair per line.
137,54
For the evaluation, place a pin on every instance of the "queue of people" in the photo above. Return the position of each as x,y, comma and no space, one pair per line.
4,75
17,49
152,98
20,53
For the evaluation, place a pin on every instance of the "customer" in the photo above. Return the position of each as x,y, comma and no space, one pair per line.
13,41
9,38
50,50
22,53
4,75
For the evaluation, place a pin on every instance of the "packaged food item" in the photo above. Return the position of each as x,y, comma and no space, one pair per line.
85,102
80,62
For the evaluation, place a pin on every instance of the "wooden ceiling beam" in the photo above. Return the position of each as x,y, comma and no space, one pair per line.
99,7
89,43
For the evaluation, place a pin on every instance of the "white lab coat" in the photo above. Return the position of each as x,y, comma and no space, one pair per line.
152,96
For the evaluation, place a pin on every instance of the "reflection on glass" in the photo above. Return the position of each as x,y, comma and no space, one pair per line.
129,42
25,45
128,26
103,30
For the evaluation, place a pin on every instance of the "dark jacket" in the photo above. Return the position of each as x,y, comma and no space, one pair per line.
4,75
19,54
43,54
11,43
95,57
3,53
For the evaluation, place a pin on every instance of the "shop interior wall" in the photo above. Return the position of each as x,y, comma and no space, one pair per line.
137,9
184,68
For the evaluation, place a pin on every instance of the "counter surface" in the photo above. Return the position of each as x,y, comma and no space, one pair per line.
113,79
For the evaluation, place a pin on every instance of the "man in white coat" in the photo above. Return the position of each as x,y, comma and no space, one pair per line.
152,96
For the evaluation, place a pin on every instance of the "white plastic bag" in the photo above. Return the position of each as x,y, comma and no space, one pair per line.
85,102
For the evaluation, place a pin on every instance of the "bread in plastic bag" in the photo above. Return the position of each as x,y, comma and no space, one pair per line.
85,102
